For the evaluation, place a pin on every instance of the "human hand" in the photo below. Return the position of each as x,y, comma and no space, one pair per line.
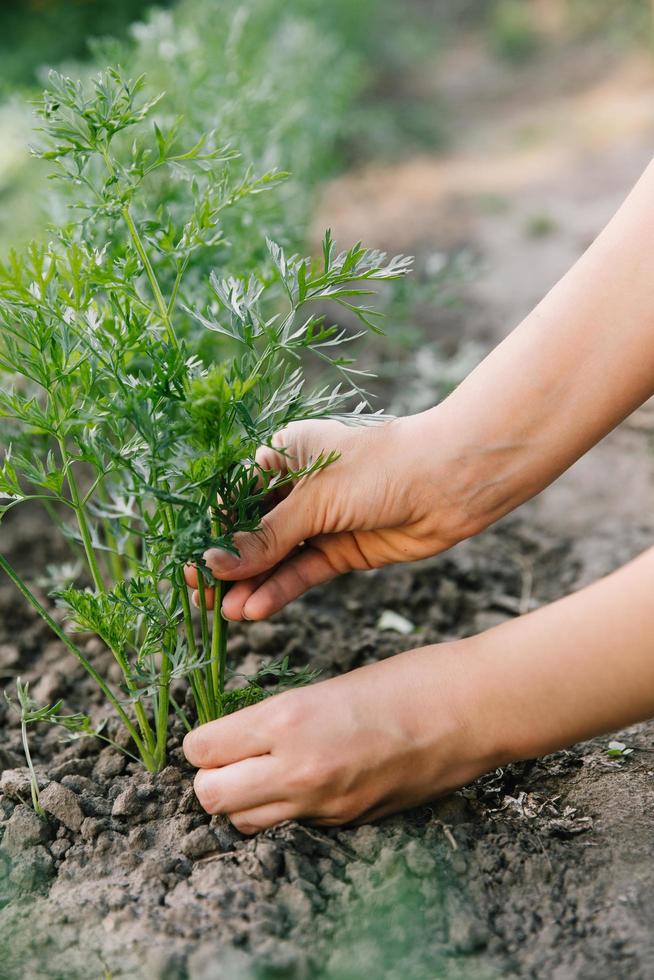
402,731
383,500
377,740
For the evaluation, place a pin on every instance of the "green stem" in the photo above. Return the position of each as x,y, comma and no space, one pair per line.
188,622
154,284
85,531
197,681
178,281
77,653
143,255
139,710
206,641
218,650
115,745
204,618
163,705
199,689
115,565
34,783
181,714
132,557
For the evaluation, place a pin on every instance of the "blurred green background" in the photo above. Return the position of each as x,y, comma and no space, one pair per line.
44,32
309,86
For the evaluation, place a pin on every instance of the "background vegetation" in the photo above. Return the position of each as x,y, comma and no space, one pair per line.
295,85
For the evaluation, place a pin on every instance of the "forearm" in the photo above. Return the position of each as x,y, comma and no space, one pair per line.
579,667
575,367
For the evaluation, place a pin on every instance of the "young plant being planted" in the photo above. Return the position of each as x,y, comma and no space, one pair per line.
136,392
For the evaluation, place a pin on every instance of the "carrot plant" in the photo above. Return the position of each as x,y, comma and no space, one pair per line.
136,391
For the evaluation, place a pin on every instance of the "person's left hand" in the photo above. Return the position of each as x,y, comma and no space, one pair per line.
380,739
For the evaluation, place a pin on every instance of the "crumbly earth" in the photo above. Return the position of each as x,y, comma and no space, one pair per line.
543,869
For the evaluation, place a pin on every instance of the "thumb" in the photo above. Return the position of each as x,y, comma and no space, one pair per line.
282,529
298,516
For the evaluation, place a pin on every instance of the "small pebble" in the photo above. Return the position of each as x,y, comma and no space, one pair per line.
199,843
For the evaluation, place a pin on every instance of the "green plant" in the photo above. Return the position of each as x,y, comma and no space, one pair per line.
137,393
513,32
293,83
76,726
618,750
34,32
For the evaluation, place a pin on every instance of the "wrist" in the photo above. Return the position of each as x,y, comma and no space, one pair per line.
452,717
447,477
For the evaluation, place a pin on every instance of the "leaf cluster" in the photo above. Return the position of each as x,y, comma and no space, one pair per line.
137,395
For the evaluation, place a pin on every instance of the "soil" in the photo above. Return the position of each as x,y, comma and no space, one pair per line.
532,871
543,869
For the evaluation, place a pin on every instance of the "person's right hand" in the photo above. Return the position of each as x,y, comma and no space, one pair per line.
380,502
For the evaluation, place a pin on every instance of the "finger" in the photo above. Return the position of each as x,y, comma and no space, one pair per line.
238,595
235,599
244,785
240,592
260,818
271,459
209,599
229,739
281,530
276,457
309,567
193,581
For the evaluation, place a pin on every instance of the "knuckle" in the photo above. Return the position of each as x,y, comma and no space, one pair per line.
290,715
314,775
282,437
266,534
304,439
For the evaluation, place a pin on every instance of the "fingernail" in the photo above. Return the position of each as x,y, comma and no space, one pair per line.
195,599
224,561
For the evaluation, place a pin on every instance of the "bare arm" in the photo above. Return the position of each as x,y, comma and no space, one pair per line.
579,667
576,366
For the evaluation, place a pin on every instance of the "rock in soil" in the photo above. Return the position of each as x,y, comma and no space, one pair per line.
61,802
23,829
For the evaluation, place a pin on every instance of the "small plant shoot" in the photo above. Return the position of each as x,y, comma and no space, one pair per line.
136,390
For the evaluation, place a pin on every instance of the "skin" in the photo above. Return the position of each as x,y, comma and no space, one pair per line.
398,733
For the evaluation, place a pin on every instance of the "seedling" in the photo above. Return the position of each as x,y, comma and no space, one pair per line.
618,750
137,392
75,725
